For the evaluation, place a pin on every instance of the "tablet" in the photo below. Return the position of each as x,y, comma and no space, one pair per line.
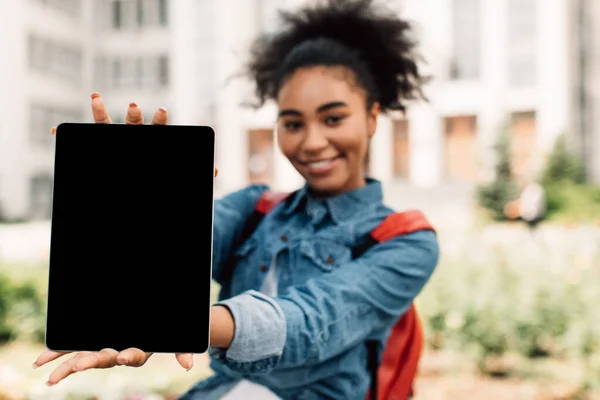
131,238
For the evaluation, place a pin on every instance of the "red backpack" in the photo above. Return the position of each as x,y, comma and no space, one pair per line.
393,377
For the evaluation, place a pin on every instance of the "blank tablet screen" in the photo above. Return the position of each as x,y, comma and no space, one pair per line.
131,238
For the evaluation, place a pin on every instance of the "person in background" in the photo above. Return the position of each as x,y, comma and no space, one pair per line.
532,204
292,321
530,207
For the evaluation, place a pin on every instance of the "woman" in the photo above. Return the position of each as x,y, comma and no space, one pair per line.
294,317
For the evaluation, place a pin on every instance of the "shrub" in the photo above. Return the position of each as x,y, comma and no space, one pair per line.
571,201
22,311
501,308
563,165
495,195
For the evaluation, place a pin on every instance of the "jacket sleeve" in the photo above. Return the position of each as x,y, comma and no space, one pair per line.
230,215
328,315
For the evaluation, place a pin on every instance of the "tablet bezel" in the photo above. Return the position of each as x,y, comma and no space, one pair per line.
198,346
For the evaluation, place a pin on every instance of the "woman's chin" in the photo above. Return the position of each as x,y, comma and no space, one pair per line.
329,185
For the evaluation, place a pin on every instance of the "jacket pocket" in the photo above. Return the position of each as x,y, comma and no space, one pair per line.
325,254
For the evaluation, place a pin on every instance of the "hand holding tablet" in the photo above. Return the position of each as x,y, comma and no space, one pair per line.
131,242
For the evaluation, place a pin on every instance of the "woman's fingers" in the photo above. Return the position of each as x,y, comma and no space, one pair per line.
133,357
134,115
161,117
106,358
99,110
47,356
65,369
185,360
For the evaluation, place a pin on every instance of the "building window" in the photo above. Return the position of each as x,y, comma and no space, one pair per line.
40,197
55,60
68,7
127,14
101,71
163,12
466,50
116,73
521,43
522,144
163,71
141,72
260,156
42,118
117,14
459,148
401,149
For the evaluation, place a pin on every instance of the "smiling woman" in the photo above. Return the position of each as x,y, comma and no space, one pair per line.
324,128
314,289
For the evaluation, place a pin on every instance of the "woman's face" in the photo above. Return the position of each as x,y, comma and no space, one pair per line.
324,128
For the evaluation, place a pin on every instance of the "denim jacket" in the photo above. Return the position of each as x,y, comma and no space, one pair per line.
308,342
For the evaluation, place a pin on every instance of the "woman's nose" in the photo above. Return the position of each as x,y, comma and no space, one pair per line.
314,141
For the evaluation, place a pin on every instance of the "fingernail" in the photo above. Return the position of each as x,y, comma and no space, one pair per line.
131,105
95,95
49,383
34,365
163,109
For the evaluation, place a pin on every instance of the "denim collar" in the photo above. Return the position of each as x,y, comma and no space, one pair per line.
340,207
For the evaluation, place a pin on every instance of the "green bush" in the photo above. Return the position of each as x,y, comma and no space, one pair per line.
563,165
500,309
568,197
503,189
573,202
22,311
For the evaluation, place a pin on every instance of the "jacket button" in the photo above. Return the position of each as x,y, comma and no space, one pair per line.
263,268
329,260
284,238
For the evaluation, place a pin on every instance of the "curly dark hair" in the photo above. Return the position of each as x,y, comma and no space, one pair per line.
373,42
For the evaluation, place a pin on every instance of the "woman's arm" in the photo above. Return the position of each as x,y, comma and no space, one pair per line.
230,215
329,315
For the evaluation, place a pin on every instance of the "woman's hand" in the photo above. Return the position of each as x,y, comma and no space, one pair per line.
108,358
134,115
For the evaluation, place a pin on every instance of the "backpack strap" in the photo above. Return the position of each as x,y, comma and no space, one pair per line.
398,368
267,201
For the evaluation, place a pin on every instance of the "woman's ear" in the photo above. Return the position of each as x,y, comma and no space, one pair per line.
372,119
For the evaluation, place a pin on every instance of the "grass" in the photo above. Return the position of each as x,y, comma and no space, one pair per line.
491,290
161,374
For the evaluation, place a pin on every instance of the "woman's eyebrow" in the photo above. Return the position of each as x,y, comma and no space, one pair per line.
331,105
320,109
291,112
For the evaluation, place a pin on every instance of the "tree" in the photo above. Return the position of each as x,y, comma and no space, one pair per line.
563,166
495,195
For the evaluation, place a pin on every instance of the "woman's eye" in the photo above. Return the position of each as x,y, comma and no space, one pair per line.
292,125
333,120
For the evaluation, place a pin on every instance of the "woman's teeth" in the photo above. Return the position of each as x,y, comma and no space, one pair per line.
320,164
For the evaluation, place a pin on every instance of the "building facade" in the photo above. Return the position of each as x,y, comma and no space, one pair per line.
43,76
498,65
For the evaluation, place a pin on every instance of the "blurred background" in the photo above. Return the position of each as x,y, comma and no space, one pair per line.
511,312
